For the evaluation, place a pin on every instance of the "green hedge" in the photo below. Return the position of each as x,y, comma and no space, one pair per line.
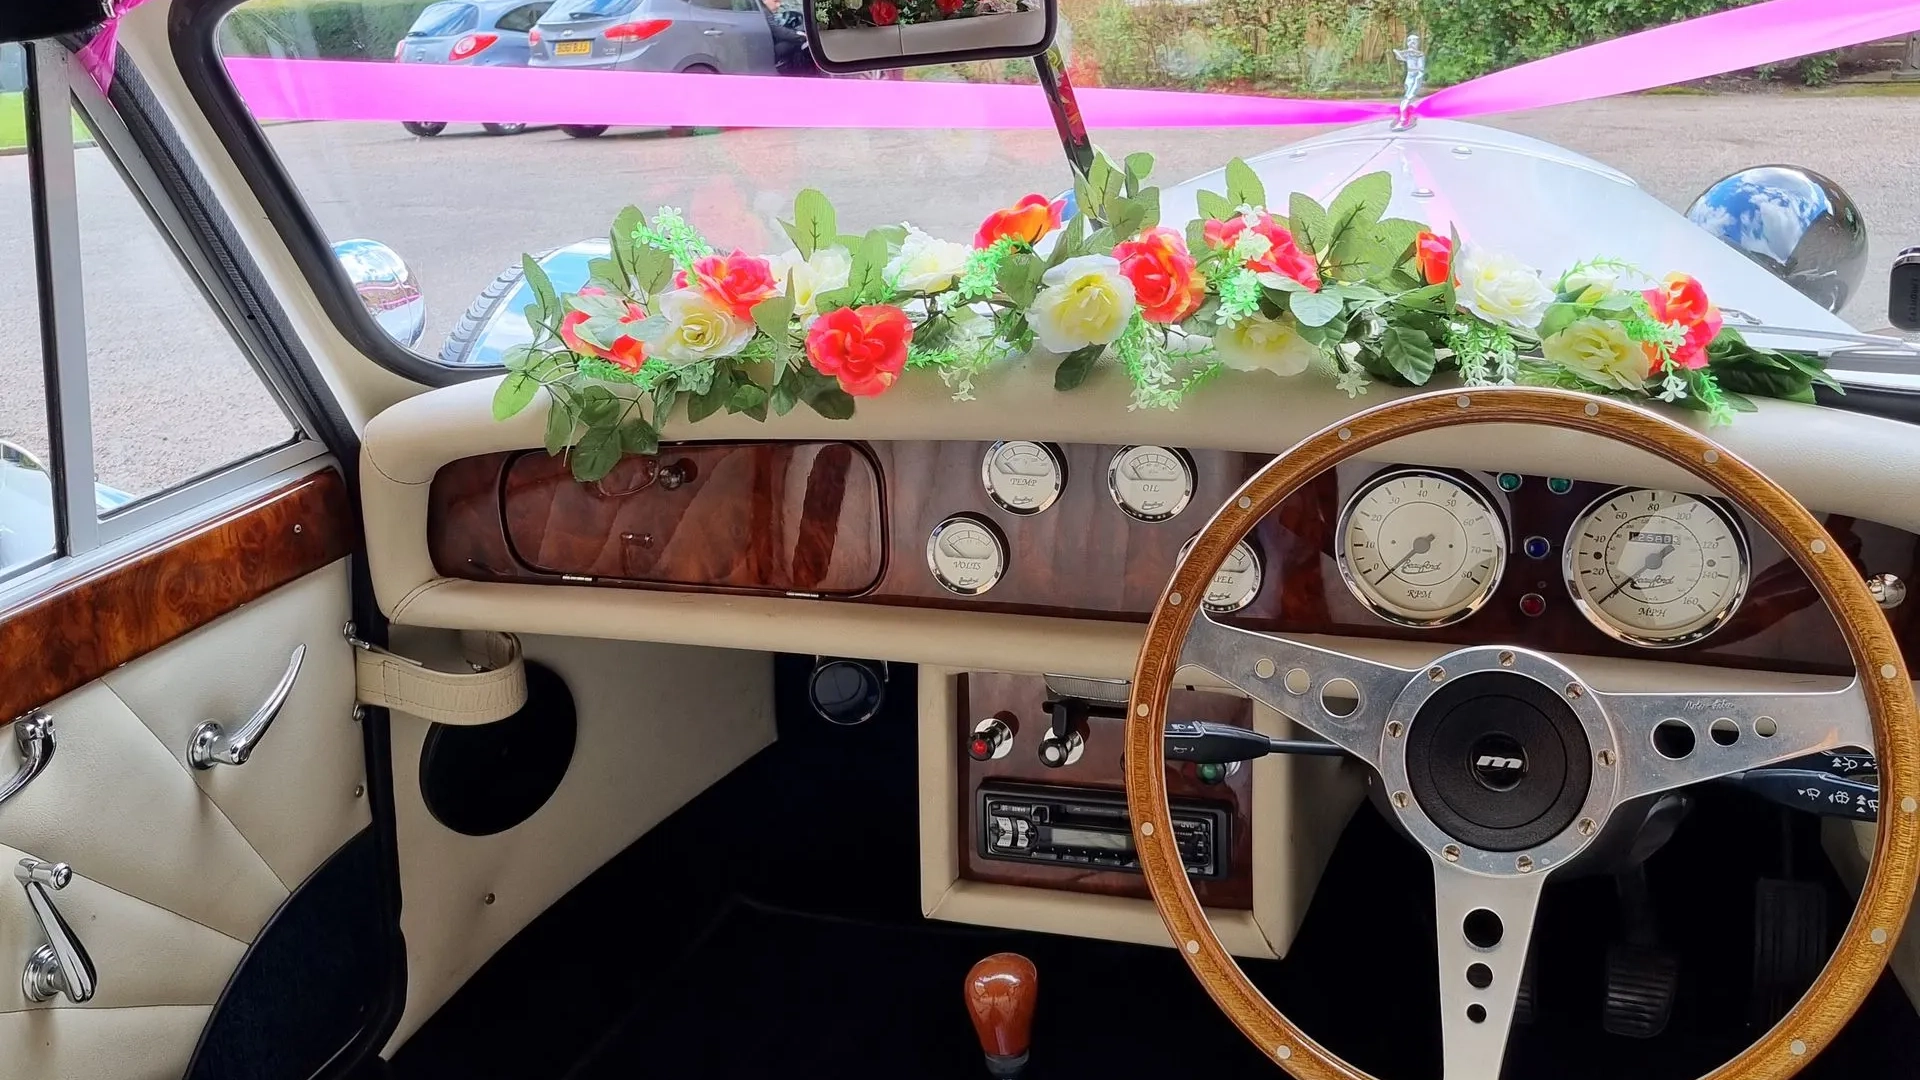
319,29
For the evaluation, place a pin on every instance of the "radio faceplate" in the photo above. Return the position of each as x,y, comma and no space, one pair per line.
1090,828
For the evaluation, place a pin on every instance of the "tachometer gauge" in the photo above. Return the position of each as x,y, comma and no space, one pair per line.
1237,583
1023,477
1656,568
966,554
1421,548
1151,483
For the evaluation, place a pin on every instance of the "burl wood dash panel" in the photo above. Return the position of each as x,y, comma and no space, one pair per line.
1021,700
1084,558
61,640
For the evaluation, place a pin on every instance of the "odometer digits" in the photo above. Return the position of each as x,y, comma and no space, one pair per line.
1655,567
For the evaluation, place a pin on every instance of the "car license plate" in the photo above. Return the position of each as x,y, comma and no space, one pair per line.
573,48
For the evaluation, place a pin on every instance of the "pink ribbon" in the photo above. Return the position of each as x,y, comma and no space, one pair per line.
97,56
353,90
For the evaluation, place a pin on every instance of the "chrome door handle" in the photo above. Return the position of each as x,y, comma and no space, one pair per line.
713,32
33,734
61,966
213,745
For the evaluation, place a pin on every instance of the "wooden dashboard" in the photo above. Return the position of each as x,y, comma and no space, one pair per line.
849,522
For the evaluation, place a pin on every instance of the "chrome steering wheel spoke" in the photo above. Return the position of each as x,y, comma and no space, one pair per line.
1484,925
1673,740
1341,698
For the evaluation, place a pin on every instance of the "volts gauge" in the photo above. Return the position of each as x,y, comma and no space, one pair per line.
1023,477
1656,568
1421,548
1151,483
1237,583
966,554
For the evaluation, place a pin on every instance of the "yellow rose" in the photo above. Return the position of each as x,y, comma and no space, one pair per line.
1599,351
1086,301
1257,343
699,329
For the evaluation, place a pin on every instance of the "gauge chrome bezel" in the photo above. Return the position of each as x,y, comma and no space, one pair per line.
1473,490
933,561
1598,617
1113,481
1259,561
1059,475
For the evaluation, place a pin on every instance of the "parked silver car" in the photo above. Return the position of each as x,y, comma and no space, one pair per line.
474,33
729,36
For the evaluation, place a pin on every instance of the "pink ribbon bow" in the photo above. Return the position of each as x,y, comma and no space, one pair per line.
97,56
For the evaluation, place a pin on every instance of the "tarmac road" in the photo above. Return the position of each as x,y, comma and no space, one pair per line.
173,397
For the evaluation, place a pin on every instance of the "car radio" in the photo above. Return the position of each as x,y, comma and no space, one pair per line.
1087,827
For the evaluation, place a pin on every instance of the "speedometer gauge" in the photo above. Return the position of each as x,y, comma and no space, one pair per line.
1656,568
1421,548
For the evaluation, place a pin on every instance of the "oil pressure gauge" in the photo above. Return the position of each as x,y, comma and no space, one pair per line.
1237,583
1151,483
966,554
1023,477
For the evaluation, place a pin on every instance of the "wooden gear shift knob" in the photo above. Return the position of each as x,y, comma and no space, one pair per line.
1001,992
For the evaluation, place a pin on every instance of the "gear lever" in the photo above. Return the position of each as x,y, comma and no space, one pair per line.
1001,991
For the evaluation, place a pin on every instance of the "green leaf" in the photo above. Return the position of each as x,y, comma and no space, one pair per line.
1360,204
1197,237
868,277
625,247
814,226
638,437
1243,185
609,271
1149,201
834,299
1309,223
559,427
652,270
597,452
1139,166
1067,243
1428,298
1105,183
597,406
1075,366
1130,216
543,315
1558,318
786,391
517,358
711,400
1314,309
513,394
1409,352
1099,242
1019,278
1214,205
774,315
747,397
1328,335
610,307
832,403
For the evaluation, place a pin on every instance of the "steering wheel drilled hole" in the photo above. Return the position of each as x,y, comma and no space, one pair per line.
1674,739
1724,731
1765,727
1340,697
1477,1013
1479,976
1483,929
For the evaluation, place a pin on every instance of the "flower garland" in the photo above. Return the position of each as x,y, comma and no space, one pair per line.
842,316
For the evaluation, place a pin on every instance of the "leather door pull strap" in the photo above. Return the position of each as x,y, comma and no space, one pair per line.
495,689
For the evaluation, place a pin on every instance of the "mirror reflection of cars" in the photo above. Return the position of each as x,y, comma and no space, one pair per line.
473,33
690,36
26,505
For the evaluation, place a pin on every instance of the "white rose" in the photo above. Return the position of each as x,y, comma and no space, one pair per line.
1592,284
1086,301
828,270
1598,350
926,263
1501,289
1257,343
699,329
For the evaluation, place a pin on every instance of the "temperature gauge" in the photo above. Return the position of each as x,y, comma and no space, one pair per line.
966,554
1237,582
1023,477
1152,483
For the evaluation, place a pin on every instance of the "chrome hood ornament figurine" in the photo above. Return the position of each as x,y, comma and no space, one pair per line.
1416,62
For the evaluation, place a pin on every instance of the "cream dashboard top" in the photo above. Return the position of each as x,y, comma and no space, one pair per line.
1836,462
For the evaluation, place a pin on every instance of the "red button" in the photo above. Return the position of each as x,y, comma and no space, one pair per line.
1533,604
981,749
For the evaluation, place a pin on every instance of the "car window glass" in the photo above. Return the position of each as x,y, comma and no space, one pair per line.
588,8
26,486
748,5
172,394
521,19
440,20
718,5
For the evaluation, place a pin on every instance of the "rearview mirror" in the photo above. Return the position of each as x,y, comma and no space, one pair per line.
38,19
868,35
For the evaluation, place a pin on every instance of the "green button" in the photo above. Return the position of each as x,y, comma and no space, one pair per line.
1212,773
1509,481
1559,485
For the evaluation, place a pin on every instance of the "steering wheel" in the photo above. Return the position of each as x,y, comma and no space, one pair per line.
1486,892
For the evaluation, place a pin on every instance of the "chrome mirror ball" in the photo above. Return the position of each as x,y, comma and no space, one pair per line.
1800,225
386,287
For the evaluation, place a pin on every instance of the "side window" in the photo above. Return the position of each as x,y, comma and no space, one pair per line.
26,450
521,19
717,5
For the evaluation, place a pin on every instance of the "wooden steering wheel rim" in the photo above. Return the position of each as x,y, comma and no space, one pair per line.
1868,941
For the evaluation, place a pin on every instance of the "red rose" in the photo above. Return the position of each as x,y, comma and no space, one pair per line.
865,348
628,353
1283,256
1434,253
884,14
1162,273
1026,221
1682,301
735,282
949,7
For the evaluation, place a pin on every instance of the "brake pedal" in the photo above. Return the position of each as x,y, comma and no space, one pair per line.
1789,945
1642,983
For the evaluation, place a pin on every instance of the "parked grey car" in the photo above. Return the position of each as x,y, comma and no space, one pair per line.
475,33
730,36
